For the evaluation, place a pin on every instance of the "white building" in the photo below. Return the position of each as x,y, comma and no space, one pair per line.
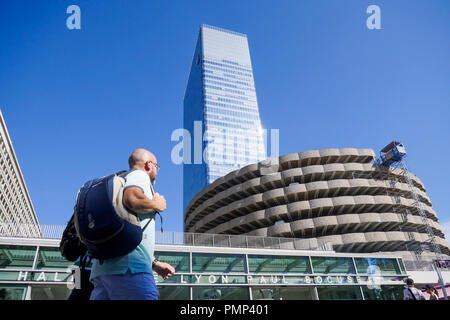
17,215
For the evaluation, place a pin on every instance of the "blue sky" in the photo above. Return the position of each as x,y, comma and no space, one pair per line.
77,102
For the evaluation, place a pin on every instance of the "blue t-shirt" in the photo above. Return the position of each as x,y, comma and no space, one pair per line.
140,259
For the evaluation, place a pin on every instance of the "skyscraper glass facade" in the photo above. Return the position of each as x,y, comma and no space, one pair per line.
220,110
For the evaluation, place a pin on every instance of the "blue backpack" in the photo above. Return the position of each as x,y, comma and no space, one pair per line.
104,225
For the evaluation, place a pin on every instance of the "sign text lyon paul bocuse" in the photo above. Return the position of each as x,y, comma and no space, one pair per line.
266,279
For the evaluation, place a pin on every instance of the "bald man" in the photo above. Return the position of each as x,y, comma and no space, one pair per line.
130,277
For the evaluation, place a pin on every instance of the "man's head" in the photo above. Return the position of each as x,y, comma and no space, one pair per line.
410,282
144,160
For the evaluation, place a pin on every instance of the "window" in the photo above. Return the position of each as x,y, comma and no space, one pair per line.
377,265
12,292
221,263
267,293
339,293
50,293
278,264
179,260
220,293
383,293
50,258
16,256
402,266
332,265
173,293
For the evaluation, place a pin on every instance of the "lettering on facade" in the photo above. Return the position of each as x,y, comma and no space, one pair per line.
265,279
43,276
23,276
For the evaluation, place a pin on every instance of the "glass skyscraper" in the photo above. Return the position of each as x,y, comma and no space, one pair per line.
220,110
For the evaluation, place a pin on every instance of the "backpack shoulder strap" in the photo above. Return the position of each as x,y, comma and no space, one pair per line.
414,297
151,189
126,214
121,172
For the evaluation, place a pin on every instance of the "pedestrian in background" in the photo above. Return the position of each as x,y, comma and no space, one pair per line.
412,293
434,295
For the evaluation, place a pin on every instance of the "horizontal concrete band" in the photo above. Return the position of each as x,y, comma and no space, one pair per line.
326,156
345,223
260,183
372,241
307,208
312,190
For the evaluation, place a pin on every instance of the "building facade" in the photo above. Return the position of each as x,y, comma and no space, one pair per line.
216,268
221,113
334,195
17,215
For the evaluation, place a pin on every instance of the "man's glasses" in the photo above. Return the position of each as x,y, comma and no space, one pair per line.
156,165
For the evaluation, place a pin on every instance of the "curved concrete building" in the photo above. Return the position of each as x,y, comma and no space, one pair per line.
336,195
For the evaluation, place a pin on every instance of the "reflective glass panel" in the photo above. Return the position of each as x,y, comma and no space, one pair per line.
332,265
339,293
278,264
224,263
16,256
173,293
377,266
13,275
50,258
50,293
383,293
402,266
12,292
220,293
273,293
178,260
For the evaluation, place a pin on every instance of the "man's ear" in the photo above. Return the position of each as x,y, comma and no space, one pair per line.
148,167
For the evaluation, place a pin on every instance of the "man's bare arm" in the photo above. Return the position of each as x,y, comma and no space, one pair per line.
135,200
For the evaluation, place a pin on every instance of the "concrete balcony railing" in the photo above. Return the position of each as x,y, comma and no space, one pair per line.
188,239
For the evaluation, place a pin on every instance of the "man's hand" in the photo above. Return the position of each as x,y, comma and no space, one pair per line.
165,270
159,202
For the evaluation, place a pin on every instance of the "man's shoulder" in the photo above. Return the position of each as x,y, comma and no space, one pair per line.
409,291
136,173
137,177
